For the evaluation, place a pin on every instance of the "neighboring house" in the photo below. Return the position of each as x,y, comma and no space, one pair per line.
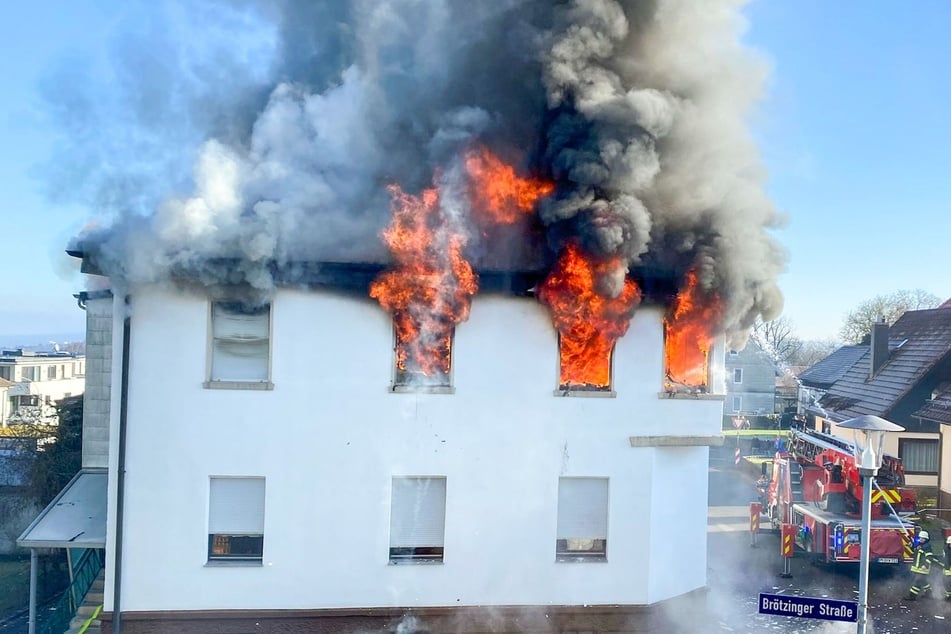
894,377
38,380
246,437
938,410
816,380
750,381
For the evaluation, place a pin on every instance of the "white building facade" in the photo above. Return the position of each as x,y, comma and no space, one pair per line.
39,380
291,496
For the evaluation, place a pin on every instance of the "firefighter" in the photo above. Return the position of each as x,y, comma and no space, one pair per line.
921,567
947,568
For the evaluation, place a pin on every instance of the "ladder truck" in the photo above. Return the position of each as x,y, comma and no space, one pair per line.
814,485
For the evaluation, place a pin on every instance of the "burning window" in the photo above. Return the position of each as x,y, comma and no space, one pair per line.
427,292
589,321
688,338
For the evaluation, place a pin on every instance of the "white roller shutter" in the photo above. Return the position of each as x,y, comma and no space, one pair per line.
582,508
240,342
236,506
417,512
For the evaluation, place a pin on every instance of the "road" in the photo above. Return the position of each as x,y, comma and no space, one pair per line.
738,573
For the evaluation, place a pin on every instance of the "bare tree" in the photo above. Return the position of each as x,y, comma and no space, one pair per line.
814,351
858,323
778,338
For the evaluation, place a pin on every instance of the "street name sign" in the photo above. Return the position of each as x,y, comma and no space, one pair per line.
808,607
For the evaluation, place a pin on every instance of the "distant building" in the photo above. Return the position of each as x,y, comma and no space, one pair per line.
31,383
750,382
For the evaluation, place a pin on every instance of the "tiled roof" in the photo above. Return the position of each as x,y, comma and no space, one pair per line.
829,370
939,408
5,383
918,342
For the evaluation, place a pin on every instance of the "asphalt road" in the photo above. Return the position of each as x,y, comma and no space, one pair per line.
738,573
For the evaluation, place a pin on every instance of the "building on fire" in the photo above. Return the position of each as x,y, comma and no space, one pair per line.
275,465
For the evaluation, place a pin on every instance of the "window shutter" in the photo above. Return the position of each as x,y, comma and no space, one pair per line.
236,506
582,508
240,342
417,512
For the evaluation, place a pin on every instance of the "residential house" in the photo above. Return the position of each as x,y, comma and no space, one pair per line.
272,468
816,380
750,381
894,377
38,379
938,410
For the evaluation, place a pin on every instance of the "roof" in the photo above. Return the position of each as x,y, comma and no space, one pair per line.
824,373
918,342
76,518
5,383
938,408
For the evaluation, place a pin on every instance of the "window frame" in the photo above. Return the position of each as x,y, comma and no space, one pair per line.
607,392
903,444
255,558
416,554
398,386
237,384
737,404
595,550
737,372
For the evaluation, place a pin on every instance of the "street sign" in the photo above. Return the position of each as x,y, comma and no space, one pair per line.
808,607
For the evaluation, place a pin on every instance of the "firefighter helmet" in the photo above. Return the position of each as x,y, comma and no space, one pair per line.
923,537
948,540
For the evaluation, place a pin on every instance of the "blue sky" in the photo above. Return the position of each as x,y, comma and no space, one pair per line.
855,132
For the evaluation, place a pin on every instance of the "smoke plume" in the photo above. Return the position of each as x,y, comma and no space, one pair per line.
275,139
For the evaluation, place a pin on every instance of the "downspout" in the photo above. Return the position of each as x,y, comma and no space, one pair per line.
120,470
31,623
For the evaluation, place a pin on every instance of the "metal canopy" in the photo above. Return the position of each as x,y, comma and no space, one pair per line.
76,518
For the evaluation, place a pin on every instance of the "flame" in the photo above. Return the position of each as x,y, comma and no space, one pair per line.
497,192
588,323
429,290
688,331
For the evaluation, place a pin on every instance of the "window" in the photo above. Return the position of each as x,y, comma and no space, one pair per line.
737,375
423,363
30,373
734,353
582,533
240,344
737,403
51,372
6,372
919,455
417,520
236,520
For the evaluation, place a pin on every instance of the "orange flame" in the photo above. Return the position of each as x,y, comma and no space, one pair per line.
588,323
688,329
429,291
497,192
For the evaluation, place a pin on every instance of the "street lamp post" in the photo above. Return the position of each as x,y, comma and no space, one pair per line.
869,435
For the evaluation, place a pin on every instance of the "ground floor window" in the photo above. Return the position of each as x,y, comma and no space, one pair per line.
417,519
919,455
582,533
236,519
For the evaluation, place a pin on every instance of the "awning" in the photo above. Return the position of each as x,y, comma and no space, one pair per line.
76,518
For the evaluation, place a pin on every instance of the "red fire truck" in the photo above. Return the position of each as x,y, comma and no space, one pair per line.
813,484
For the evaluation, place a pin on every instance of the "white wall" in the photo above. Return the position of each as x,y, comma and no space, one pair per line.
330,436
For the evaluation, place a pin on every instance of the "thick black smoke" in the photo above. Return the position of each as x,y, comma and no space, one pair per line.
293,116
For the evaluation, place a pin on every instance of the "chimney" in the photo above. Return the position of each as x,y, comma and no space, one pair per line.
878,346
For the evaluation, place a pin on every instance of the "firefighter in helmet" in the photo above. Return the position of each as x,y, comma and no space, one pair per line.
947,568
921,567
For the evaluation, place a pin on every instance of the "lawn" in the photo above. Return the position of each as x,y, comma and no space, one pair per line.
14,584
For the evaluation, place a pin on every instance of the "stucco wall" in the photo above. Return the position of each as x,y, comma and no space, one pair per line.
98,382
330,436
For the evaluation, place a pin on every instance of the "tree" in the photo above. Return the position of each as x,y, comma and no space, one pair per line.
777,338
858,322
814,351
59,458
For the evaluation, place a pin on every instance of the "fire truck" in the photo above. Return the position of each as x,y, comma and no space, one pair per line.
814,485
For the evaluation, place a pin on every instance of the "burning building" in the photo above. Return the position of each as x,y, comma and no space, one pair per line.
455,311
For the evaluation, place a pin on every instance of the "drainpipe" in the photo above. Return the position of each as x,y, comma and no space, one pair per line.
120,471
31,627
